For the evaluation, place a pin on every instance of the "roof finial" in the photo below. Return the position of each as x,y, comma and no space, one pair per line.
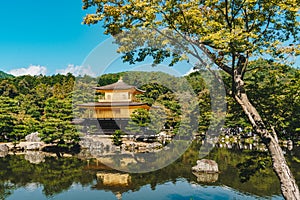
120,79
119,195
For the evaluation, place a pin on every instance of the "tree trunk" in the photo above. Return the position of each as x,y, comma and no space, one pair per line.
289,188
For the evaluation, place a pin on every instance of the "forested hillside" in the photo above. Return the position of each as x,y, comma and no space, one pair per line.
44,103
5,75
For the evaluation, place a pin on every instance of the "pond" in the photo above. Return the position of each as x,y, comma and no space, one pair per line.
243,175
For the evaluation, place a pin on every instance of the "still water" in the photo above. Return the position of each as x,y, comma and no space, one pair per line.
243,175
179,190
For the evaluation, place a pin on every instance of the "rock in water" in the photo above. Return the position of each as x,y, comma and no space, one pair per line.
3,150
35,157
34,146
203,177
33,137
207,166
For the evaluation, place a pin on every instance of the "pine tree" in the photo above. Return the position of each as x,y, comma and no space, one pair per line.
7,119
57,126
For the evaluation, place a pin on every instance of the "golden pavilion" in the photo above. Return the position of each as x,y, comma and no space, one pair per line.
114,106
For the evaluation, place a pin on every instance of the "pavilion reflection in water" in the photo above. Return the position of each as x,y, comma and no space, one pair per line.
118,183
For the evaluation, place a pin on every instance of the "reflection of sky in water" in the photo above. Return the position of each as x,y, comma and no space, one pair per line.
181,190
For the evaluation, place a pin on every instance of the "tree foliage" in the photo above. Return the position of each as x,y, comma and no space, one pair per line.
5,75
57,127
226,34
27,112
228,27
117,137
27,102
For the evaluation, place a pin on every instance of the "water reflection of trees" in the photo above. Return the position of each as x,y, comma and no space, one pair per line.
243,171
57,175
6,189
260,181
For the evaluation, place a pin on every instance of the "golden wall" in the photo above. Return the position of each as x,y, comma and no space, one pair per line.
115,112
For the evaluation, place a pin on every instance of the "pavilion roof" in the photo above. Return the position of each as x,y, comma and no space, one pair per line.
111,104
120,85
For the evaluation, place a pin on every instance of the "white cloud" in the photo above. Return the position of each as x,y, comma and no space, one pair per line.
31,70
192,70
76,70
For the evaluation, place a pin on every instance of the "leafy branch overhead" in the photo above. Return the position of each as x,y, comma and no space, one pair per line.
226,30
224,33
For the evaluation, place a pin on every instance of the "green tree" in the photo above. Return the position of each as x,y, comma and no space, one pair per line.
16,123
117,137
7,119
24,124
139,120
228,33
35,100
157,119
57,127
7,88
273,89
83,93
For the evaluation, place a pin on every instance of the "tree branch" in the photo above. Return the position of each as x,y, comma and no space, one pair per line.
223,66
264,31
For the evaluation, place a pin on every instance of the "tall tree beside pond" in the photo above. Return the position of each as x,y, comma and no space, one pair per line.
83,93
274,90
24,122
139,120
7,119
229,33
199,86
56,126
163,97
15,124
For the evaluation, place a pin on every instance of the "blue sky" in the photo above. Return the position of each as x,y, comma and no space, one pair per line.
45,33
48,37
